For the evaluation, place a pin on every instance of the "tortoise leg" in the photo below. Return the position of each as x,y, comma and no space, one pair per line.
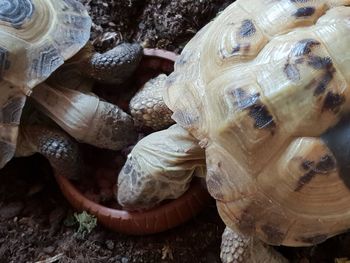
61,151
159,167
236,248
148,108
113,66
85,117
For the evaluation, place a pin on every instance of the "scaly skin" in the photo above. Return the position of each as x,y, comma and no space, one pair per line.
148,107
236,248
143,183
61,151
113,66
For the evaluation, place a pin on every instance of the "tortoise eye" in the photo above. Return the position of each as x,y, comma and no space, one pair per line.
304,11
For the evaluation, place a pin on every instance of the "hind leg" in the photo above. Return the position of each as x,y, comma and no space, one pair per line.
236,248
61,151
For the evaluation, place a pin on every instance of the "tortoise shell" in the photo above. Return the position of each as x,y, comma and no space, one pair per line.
36,37
265,88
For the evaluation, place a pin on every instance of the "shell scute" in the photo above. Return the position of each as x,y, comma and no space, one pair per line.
36,37
16,12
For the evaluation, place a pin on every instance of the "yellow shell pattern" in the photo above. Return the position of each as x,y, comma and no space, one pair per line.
261,86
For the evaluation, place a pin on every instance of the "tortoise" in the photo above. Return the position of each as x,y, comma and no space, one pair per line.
36,38
260,100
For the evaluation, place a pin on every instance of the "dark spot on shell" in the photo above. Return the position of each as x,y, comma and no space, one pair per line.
306,164
313,240
318,62
304,47
244,100
305,179
236,49
262,117
333,101
325,165
304,11
299,1
292,72
257,110
247,29
273,234
337,138
326,78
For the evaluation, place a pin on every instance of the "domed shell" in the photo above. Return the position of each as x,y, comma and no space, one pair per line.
36,37
263,89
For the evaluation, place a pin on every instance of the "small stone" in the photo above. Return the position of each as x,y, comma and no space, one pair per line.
110,244
125,260
49,249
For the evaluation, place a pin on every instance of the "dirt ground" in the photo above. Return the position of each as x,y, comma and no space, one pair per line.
34,215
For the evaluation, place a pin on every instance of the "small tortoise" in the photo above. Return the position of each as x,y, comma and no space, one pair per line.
260,98
36,37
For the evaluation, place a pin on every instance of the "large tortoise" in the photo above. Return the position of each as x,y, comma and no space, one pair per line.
260,98
36,37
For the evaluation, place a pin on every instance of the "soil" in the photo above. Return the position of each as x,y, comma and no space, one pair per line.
34,216
154,23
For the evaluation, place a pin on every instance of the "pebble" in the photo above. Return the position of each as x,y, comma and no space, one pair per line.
110,244
49,249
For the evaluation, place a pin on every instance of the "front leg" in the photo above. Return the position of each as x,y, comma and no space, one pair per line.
148,108
159,167
113,66
236,248
86,117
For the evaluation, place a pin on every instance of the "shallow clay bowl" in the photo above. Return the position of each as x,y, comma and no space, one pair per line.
165,216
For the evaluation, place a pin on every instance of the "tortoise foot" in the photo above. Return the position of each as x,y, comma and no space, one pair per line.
236,248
